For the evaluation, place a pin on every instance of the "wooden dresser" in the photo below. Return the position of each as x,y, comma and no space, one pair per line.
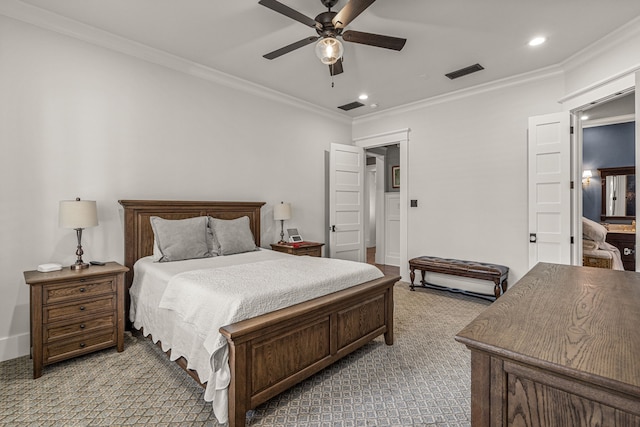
74,312
561,348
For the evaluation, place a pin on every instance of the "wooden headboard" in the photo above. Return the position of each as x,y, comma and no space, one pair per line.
138,234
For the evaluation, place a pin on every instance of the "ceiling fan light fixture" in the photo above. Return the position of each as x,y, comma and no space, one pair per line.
329,50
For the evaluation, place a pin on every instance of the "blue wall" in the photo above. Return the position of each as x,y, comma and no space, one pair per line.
604,147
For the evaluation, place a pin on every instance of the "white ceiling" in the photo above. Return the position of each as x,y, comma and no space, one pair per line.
443,35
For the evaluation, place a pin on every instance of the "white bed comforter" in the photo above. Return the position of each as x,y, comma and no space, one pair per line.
200,296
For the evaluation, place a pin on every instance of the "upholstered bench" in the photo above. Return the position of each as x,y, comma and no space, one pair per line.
475,270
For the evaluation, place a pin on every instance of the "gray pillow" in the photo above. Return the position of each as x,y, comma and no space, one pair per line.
233,235
180,239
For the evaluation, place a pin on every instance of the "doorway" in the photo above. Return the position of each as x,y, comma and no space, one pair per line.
608,154
400,138
381,218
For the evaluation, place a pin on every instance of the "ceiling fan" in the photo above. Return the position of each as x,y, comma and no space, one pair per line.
329,25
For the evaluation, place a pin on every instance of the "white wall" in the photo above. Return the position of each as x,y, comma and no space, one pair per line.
77,120
467,169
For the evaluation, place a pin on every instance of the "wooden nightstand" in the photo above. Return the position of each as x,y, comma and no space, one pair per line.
75,312
306,248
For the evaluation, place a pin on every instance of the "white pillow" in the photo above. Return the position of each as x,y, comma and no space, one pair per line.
592,230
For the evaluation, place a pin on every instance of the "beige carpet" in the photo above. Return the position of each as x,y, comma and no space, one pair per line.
422,380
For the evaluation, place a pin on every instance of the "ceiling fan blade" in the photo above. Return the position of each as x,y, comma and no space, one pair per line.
336,68
287,11
377,40
291,47
350,11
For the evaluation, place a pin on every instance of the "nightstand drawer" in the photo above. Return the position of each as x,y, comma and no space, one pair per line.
309,251
78,308
78,289
87,344
305,248
69,330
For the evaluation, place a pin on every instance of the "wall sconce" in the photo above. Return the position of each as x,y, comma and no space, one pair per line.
586,177
282,212
78,214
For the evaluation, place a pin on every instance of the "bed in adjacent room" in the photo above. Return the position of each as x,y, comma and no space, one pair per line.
246,323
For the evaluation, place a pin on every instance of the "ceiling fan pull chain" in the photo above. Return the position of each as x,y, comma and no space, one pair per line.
332,73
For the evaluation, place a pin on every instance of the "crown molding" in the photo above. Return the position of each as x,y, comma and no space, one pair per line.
603,45
36,16
541,74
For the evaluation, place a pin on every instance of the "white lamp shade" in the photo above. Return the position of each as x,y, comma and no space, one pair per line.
587,174
78,214
282,211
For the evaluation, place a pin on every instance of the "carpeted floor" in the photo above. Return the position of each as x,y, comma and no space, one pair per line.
422,380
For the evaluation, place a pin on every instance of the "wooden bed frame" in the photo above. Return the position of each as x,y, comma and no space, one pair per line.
270,353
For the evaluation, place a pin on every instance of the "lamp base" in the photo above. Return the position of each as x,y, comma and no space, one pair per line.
281,242
79,266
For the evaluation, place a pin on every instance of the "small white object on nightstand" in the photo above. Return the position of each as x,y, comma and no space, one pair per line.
45,268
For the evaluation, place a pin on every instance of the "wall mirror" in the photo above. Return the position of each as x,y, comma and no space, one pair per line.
618,193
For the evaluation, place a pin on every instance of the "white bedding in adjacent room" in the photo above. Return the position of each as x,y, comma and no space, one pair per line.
184,303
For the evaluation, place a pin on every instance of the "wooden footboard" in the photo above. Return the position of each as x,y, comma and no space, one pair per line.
271,353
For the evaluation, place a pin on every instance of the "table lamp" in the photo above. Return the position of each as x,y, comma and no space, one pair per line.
78,214
280,213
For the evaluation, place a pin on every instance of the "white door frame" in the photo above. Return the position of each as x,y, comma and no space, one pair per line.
379,225
400,137
369,169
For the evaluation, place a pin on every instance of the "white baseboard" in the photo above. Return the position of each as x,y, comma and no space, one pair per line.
14,346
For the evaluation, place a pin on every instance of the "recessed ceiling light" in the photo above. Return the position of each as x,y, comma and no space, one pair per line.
537,41
363,97
374,105
584,117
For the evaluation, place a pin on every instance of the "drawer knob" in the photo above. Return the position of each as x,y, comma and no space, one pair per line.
82,326
82,345
82,308
82,289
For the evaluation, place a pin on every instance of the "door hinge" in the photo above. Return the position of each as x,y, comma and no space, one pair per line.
572,240
571,130
571,185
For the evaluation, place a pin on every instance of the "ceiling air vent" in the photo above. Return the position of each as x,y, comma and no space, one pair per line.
351,106
464,71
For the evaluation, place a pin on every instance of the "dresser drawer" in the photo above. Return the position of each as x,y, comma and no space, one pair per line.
58,331
79,308
78,289
82,345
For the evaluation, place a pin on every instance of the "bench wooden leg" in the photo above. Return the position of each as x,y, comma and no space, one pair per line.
412,276
504,286
496,288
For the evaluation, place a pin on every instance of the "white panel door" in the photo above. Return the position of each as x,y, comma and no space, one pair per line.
346,202
392,229
549,189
